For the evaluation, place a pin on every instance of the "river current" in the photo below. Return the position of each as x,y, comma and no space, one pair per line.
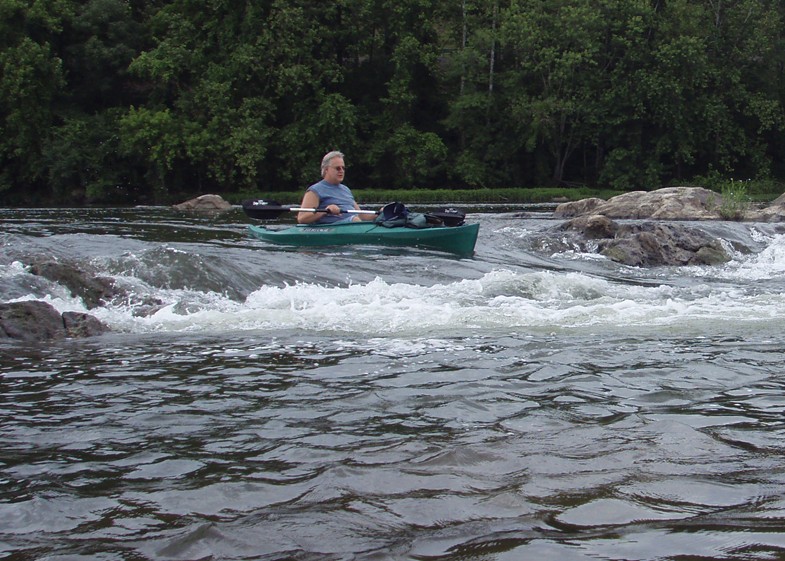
364,403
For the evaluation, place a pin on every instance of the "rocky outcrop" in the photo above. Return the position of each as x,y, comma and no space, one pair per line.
646,244
593,224
779,201
204,203
39,321
670,203
651,244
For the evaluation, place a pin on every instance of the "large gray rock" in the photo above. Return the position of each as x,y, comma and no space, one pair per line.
592,227
670,203
205,203
779,201
578,208
38,321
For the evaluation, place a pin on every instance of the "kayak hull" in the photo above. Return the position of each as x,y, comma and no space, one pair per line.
454,239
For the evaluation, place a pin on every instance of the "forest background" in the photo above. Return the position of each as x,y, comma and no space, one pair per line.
137,101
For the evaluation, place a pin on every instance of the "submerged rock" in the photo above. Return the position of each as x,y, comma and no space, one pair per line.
93,290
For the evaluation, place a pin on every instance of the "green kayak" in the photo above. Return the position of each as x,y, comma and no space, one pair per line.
454,239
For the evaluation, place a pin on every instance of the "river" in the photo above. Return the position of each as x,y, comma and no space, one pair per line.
530,402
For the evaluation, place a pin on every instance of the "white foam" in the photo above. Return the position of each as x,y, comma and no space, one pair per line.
768,264
501,300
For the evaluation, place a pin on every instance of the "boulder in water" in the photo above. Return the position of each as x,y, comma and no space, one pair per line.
204,203
670,203
648,243
79,324
38,321
652,244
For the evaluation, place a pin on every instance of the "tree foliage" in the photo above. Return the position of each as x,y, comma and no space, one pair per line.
128,101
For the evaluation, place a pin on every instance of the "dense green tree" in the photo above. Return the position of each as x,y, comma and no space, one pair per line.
654,85
486,144
62,74
744,43
124,100
557,49
404,147
239,96
696,106
31,82
104,38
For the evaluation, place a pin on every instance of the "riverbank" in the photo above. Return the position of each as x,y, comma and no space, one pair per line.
437,196
754,194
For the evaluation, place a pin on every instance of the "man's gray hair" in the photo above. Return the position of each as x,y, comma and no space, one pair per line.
328,157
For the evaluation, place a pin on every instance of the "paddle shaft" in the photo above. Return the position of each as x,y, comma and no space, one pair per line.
350,211
265,210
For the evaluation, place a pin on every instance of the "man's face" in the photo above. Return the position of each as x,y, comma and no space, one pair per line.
335,171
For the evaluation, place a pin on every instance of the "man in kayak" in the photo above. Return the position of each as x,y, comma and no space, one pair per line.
332,195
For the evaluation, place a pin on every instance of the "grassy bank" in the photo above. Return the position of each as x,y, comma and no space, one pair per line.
447,196
753,191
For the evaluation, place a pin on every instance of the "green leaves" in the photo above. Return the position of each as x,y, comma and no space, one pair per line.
32,79
119,99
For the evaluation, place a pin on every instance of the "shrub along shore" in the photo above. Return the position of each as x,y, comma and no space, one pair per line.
741,192
437,196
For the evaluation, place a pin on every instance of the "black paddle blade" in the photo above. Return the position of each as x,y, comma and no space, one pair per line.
263,210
